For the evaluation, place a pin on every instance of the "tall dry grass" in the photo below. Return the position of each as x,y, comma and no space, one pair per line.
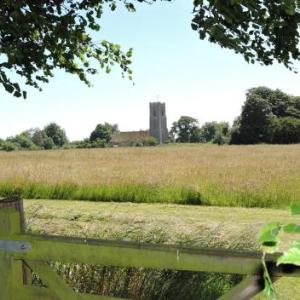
263,175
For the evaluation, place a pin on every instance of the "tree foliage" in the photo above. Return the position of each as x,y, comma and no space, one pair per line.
37,37
286,130
185,130
260,30
215,132
56,133
268,116
103,133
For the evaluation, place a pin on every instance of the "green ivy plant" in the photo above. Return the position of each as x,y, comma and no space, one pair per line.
269,239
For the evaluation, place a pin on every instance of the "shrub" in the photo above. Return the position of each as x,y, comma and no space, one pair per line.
286,130
149,141
138,143
9,146
98,143
220,139
48,143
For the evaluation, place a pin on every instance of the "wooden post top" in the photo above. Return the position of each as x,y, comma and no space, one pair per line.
17,204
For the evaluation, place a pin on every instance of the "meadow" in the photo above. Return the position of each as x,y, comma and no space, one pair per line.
158,179
245,176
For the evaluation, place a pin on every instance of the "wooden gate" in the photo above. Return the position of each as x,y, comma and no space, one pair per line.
21,252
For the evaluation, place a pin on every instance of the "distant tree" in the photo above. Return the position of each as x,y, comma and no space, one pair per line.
185,130
255,119
216,132
259,115
286,130
9,146
22,141
56,133
38,138
103,132
48,143
220,139
235,133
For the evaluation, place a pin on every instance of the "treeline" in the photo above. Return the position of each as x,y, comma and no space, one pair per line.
53,136
268,116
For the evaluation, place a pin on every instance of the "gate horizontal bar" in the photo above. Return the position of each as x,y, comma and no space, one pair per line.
128,254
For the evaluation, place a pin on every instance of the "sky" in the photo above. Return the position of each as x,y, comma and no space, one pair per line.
170,64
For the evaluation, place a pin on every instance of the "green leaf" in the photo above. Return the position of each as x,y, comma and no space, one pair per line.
295,209
292,228
291,256
269,238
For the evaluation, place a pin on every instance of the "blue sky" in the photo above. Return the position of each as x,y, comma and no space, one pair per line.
170,64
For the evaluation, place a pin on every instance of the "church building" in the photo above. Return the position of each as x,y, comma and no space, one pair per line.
158,128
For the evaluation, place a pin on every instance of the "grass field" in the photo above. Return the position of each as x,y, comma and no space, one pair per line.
235,228
249,176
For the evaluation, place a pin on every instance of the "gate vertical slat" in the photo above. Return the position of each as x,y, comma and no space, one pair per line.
12,272
7,227
5,279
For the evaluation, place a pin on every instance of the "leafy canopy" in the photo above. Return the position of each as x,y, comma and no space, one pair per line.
260,30
37,37
103,132
185,130
268,116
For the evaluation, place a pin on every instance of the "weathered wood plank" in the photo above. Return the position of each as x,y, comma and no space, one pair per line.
5,276
138,255
148,256
9,224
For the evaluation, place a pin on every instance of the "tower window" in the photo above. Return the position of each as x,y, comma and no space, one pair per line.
154,113
162,113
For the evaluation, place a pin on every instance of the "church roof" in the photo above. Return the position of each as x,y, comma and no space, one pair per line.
128,137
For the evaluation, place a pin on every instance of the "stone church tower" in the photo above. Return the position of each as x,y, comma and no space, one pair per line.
158,122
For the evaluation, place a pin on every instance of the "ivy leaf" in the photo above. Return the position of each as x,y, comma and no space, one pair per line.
292,228
269,238
291,256
295,209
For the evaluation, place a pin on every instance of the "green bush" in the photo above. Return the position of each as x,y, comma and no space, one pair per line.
9,146
48,143
286,130
98,143
138,143
149,141
220,139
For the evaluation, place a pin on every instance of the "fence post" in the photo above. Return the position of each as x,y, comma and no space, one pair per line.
11,222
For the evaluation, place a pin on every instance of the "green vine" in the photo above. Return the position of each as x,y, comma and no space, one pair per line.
269,239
